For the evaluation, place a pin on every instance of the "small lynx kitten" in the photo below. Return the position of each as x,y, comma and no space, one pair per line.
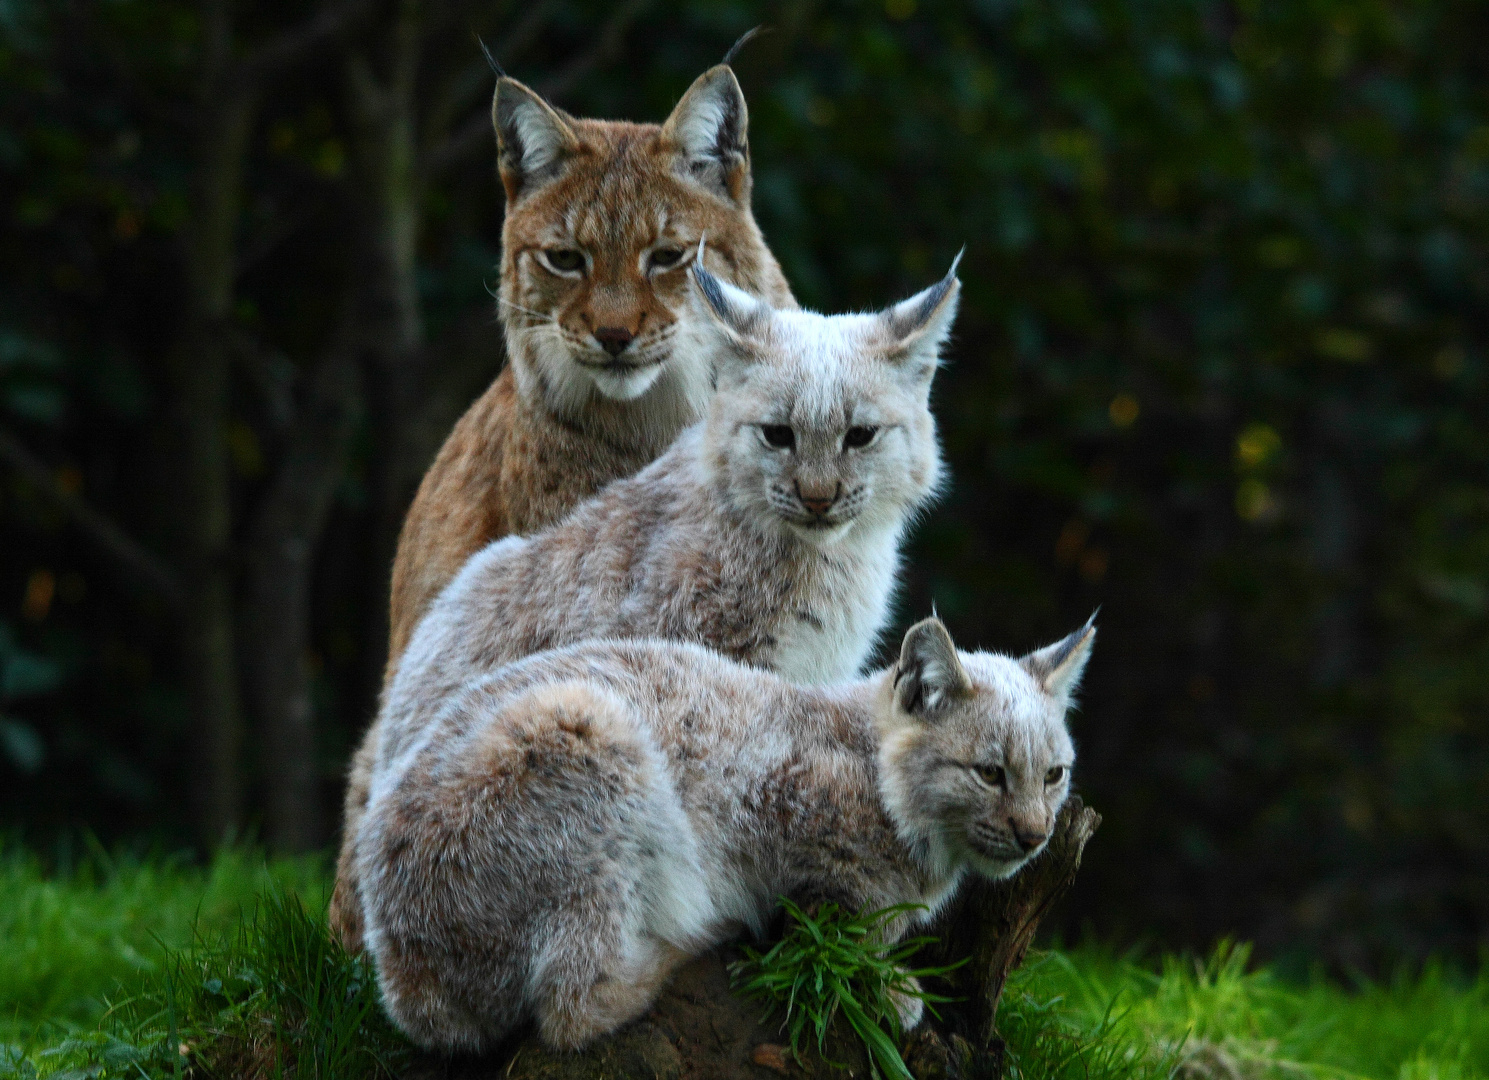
571,828
769,532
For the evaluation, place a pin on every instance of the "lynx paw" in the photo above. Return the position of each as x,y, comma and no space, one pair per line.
910,1008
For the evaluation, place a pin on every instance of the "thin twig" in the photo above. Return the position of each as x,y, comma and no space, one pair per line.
475,134
134,557
292,45
262,246
612,34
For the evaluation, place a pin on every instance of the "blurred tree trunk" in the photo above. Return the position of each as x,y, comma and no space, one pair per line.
279,559
228,89
384,110
1331,521
199,373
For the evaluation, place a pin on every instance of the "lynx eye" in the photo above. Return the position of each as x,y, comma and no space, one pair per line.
859,437
565,260
1055,775
778,436
991,775
662,258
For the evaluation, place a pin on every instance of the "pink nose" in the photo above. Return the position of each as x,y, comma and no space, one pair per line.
818,500
614,339
1028,840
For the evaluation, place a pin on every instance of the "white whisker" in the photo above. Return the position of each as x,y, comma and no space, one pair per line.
527,310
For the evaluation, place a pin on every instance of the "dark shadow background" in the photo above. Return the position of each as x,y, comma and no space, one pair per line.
1220,370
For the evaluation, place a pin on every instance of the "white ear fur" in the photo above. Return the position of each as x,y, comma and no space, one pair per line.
710,127
532,138
738,313
919,326
929,673
1058,667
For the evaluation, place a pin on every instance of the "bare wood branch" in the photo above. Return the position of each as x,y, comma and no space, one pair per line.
280,548
291,46
612,34
128,552
475,134
442,149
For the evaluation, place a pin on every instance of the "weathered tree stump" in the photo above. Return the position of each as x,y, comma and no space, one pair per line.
699,1030
995,922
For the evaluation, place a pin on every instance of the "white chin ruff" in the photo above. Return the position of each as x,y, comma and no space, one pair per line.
819,536
626,384
999,869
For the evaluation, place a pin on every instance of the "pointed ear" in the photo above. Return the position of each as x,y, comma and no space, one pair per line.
916,328
929,673
1058,667
710,130
739,314
533,139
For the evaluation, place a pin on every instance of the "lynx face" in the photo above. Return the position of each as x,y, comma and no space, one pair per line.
822,425
977,757
603,219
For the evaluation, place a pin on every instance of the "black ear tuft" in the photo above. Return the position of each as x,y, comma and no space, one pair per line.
929,674
495,67
710,287
1058,667
744,39
736,310
909,317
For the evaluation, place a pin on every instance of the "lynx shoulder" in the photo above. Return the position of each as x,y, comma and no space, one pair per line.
578,823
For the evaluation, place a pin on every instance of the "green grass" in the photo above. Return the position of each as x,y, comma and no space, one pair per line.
1221,1017
106,970
66,938
836,963
154,968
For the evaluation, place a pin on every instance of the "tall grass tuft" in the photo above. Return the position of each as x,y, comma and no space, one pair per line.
835,962
1046,1039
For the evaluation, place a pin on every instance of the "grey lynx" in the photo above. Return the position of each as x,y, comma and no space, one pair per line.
572,827
769,532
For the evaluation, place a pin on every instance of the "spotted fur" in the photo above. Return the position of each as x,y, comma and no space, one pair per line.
563,832
566,417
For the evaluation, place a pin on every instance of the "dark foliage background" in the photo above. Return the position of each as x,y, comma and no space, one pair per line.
1221,370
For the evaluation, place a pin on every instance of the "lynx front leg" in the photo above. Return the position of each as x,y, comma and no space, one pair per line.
588,995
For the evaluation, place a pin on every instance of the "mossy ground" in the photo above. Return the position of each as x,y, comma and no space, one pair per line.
110,963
